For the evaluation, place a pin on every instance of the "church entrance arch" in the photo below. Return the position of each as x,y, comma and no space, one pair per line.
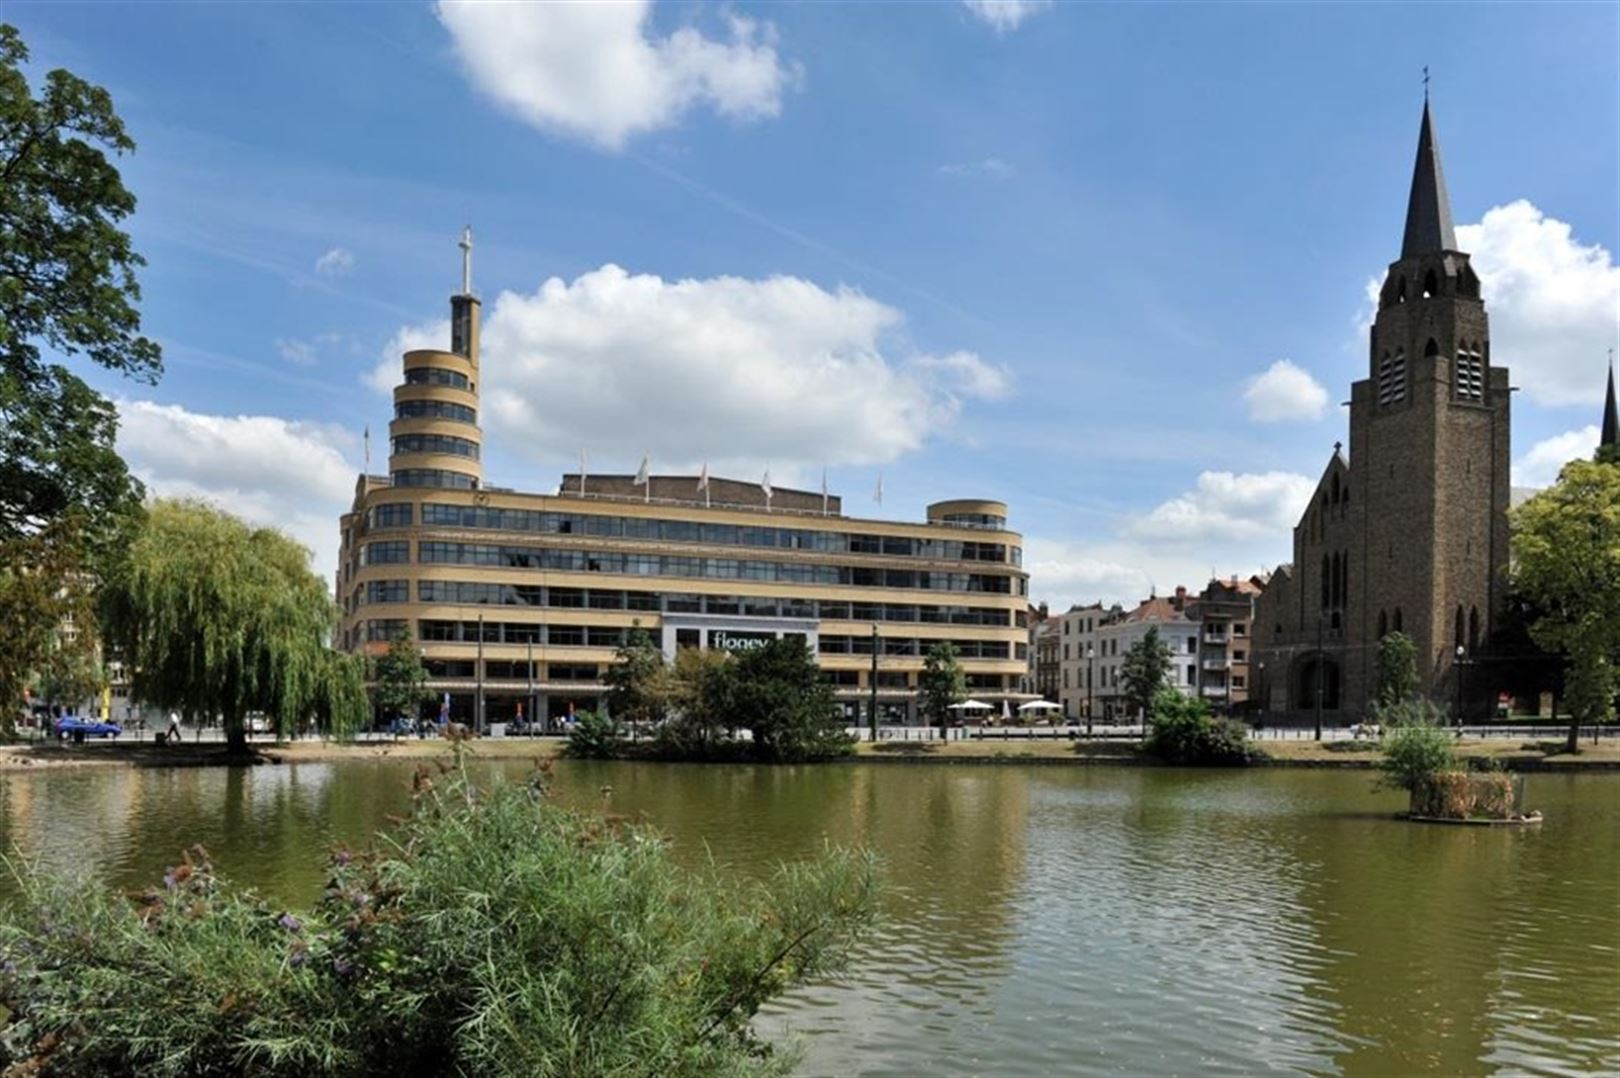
1308,668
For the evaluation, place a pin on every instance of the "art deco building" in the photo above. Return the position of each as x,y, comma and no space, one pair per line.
522,598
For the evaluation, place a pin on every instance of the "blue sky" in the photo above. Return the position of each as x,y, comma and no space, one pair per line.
1041,256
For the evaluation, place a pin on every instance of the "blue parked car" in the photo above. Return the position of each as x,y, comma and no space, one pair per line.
71,725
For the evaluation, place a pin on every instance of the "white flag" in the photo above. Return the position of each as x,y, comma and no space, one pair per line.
583,469
703,477
641,473
765,484
877,495
823,490
368,447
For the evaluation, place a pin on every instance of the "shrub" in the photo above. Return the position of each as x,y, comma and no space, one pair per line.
595,736
1184,732
1461,795
1413,752
492,933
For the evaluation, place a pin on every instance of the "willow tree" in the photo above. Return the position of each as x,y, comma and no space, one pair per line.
220,619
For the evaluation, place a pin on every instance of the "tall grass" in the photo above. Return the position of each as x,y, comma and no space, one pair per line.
491,932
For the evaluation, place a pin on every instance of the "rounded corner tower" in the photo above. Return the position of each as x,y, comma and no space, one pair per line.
434,439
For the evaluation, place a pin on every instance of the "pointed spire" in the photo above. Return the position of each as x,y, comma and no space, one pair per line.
1611,419
1428,209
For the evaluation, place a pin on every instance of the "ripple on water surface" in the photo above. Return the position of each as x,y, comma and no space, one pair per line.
1095,920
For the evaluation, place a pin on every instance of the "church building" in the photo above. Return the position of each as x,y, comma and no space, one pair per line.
1410,532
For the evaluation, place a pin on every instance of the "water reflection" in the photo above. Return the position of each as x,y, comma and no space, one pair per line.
1041,919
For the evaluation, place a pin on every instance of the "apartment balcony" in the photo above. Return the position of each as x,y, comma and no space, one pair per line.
1217,664
1218,692
1216,637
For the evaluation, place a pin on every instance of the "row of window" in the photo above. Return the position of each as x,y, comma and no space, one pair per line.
432,477
435,443
439,514
431,409
1335,580
436,376
673,565
478,593
910,646
500,670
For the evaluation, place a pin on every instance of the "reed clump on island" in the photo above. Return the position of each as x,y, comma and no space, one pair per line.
491,932
1420,757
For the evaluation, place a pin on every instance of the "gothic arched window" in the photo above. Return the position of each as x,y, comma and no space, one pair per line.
1431,286
1473,628
1327,583
1397,622
1459,625
1383,624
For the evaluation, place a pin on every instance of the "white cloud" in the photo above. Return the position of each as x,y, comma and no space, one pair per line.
748,372
299,353
1004,16
1554,303
335,263
593,70
1228,506
993,167
1284,392
1229,523
271,471
1540,466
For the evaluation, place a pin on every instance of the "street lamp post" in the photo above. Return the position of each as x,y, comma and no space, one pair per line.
1260,692
1090,653
1320,672
1462,653
872,713
478,710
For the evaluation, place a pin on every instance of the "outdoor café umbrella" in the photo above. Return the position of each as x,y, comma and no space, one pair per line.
1039,705
970,705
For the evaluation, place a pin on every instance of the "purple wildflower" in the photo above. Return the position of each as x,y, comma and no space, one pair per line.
290,923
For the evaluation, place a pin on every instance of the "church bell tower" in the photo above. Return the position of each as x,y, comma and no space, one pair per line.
1429,448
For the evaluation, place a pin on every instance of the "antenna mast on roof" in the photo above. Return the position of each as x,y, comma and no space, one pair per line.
466,259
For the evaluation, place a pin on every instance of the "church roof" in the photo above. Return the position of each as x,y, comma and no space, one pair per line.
1611,420
1428,208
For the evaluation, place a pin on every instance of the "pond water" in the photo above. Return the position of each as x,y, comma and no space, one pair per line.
1044,919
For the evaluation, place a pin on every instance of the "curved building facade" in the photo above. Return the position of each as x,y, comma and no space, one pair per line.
520,601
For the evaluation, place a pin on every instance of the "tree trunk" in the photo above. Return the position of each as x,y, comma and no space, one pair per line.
1573,746
236,735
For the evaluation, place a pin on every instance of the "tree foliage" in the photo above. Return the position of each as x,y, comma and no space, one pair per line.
493,934
1566,562
401,678
941,683
218,619
1396,669
697,688
1184,732
1416,750
1145,671
67,284
43,586
636,682
777,692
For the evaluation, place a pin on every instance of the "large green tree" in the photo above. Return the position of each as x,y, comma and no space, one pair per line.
67,288
219,619
777,691
43,588
1566,562
941,683
1144,672
636,681
1396,670
401,678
